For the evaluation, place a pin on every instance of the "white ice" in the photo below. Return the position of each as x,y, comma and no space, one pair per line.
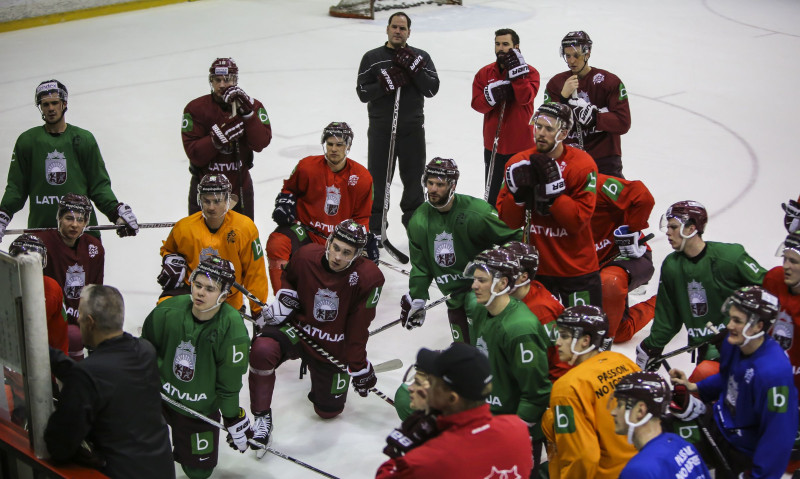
709,85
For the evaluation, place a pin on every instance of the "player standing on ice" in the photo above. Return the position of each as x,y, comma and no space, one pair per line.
215,231
504,88
331,292
599,101
202,348
754,419
322,191
219,140
57,158
73,260
695,280
444,234
640,401
383,72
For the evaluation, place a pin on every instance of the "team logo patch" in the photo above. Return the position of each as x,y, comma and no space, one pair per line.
374,297
55,167
598,78
332,199
186,123
783,330
231,237
564,420
698,301
75,281
326,305
93,250
777,399
503,473
443,250
353,180
613,188
183,364
353,279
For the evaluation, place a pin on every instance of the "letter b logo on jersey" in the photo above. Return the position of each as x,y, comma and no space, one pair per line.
778,399
564,420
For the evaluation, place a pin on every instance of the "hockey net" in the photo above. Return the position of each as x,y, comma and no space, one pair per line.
367,8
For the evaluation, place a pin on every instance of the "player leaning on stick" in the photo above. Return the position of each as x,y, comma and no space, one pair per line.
322,191
444,234
202,347
219,140
57,158
332,292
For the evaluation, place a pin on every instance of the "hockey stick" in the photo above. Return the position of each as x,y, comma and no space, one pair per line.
427,307
578,128
386,366
494,152
252,442
92,228
396,254
393,267
652,364
310,342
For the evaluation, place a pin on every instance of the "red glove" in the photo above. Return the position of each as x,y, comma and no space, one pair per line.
224,134
393,78
244,104
409,60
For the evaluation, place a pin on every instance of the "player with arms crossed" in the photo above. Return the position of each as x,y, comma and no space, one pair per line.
202,347
330,292
322,191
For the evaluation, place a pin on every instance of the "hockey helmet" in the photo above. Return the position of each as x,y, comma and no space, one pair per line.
28,242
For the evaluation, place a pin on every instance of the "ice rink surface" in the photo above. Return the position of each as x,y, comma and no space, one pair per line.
708,82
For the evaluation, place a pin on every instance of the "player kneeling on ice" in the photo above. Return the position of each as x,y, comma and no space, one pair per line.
330,292
202,348
640,401
751,427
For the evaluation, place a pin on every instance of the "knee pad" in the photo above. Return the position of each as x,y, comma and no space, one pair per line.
195,473
326,414
615,283
265,355
703,370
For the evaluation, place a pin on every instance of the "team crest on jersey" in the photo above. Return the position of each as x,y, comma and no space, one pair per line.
503,473
353,279
231,238
352,180
783,330
75,281
93,250
443,250
55,167
326,305
332,199
206,253
482,346
183,364
698,301
598,78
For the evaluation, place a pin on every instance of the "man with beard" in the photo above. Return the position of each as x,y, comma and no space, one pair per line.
220,132
505,88
551,189
445,233
57,158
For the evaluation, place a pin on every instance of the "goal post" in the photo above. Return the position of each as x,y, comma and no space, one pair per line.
366,8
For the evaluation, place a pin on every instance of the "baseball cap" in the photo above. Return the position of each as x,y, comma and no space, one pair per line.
462,367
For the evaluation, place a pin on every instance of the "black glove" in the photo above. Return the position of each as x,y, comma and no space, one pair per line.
498,91
645,356
415,430
372,247
285,213
520,180
126,217
244,104
393,78
364,380
550,185
224,134
584,112
412,312
515,64
410,61
173,271
791,217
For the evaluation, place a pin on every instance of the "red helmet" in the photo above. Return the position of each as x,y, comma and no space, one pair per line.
686,211
585,320
28,242
527,255
559,111
756,302
444,168
213,183
218,270
648,387
579,40
223,66
74,202
339,130
498,262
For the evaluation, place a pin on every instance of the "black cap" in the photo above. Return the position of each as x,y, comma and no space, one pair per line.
462,367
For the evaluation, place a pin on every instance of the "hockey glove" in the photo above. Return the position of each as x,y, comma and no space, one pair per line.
393,78
364,380
372,248
415,430
551,184
498,91
685,406
285,213
410,61
244,104
628,243
645,356
791,220
515,64
584,112
284,304
127,218
412,312
520,181
224,134
173,271
4,220
239,431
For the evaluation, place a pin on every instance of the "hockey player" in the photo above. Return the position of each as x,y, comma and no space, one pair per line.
640,401
578,425
755,414
383,72
220,132
622,212
505,87
695,280
599,101
52,160
542,304
465,440
215,231
322,191
556,185
331,293
73,260
513,339
444,234
202,347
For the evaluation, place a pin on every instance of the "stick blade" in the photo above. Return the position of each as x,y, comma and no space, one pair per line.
394,252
